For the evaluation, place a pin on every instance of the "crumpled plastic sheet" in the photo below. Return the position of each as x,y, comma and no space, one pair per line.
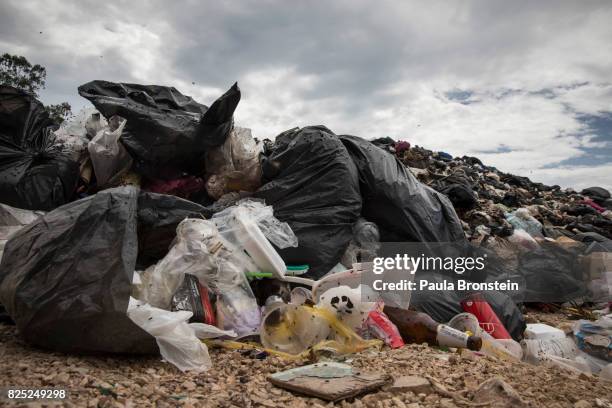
595,338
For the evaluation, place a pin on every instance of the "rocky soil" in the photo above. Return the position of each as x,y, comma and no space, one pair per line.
238,380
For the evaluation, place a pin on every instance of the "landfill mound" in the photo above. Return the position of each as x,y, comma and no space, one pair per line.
482,195
156,225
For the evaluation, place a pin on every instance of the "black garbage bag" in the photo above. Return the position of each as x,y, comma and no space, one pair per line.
158,217
443,305
461,195
552,273
166,132
35,172
312,184
403,208
66,278
598,194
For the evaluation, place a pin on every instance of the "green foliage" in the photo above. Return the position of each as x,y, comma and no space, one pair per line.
17,71
59,112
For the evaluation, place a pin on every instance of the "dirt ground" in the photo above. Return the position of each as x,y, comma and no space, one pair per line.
237,380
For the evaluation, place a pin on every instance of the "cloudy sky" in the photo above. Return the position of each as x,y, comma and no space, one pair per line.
525,86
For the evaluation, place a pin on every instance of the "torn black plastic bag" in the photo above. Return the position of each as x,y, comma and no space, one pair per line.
66,278
35,171
312,184
166,132
403,208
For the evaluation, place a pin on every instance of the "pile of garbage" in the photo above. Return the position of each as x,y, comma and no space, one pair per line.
487,199
154,224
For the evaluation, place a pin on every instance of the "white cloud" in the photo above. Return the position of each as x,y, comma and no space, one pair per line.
577,177
367,71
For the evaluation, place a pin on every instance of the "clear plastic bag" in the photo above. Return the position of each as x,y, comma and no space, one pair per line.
364,245
277,232
201,251
251,226
234,166
109,157
237,310
74,134
522,219
189,254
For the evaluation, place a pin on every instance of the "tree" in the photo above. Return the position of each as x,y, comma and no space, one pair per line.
59,112
17,71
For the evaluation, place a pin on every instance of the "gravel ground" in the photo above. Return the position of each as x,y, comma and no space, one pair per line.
240,381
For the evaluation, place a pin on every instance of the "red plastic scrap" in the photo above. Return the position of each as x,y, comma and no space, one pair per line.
181,187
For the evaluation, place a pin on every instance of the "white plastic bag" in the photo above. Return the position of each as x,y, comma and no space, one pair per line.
206,331
109,158
536,350
234,166
177,340
95,123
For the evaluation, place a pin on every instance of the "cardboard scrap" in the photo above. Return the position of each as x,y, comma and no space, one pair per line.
329,381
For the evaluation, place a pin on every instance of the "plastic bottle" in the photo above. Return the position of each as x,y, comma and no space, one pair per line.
416,327
506,349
